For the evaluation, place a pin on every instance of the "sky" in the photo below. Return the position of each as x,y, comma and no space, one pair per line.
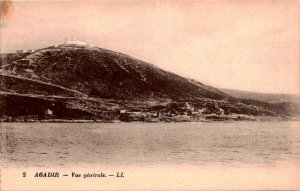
245,45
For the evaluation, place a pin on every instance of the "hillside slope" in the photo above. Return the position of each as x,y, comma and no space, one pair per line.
106,74
265,97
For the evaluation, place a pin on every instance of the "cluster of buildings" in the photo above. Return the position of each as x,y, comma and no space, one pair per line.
77,42
185,112
66,42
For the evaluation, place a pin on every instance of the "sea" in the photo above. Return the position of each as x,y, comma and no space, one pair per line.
196,143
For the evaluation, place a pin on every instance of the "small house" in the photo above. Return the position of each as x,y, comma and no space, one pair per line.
48,112
221,111
123,111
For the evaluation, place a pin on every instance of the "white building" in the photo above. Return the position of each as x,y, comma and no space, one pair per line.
48,112
76,42
221,111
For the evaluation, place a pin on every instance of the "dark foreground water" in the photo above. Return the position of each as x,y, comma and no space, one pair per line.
48,144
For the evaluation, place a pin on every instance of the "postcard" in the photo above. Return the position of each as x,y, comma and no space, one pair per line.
149,95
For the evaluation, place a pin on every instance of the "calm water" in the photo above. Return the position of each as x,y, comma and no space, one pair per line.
45,144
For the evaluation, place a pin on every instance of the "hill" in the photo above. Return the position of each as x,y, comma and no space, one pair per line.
264,97
105,74
88,82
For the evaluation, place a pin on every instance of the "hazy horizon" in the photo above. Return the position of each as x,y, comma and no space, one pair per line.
250,46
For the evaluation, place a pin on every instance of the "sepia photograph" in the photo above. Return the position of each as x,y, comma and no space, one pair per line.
149,95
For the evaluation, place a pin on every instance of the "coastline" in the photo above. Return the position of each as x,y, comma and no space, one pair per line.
182,120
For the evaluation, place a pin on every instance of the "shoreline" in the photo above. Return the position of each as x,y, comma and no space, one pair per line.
185,120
